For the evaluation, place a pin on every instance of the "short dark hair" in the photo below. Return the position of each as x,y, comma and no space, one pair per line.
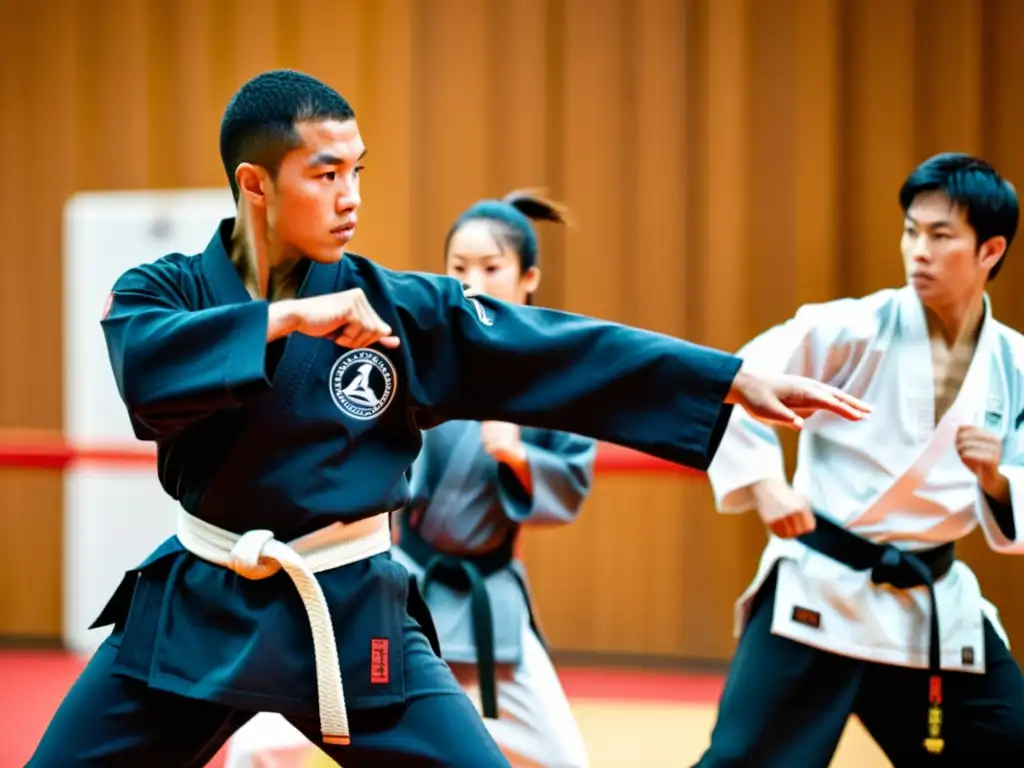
989,201
259,122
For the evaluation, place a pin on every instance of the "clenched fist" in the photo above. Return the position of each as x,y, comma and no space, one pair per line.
785,512
981,451
501,441
345,317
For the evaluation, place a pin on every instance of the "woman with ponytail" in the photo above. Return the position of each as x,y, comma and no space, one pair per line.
492,246
473,486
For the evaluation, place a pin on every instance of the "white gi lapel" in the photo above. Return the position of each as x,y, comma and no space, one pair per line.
916,374
914,358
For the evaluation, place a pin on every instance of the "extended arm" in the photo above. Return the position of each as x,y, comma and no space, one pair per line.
480,359
750,452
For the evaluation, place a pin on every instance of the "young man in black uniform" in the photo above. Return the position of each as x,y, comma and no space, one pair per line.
285,383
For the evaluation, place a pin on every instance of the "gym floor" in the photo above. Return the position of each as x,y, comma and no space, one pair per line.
629,718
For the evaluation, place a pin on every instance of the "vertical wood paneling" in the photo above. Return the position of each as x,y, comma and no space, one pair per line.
1003,115
518,100
30,568
38,155
724,201
656,245
117,66
771,245
597,160
387,117
14,92
454,96
164,149
524,82
553,241
948,67
815,171
725,180
880,134
49,162
726,160
655,253
254,37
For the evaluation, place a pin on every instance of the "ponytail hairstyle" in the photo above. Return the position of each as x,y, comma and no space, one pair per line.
511,219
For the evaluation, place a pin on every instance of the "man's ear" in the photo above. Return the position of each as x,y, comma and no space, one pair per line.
252,184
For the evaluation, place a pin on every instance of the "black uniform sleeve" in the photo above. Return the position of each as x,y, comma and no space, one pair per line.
473,357
174,365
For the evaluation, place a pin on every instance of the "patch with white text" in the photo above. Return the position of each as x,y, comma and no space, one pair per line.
471,293
482,316
363,383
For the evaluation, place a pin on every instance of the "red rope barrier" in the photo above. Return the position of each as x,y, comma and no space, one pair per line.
42,449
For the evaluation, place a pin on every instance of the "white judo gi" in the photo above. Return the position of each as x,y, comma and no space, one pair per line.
894,477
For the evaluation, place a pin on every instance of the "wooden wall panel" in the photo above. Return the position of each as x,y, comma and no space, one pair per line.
813,215
39,154
726,160
389,118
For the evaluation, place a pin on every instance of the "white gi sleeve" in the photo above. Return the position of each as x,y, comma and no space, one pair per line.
750,450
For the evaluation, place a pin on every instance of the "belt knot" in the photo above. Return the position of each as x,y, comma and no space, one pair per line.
246,557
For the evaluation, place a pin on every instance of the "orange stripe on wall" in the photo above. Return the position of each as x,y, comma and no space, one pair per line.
41,449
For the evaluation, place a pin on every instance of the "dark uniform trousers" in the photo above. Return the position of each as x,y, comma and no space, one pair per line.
785,705
134,726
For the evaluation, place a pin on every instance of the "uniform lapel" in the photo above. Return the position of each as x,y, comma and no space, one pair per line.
464,458
223,281
916,378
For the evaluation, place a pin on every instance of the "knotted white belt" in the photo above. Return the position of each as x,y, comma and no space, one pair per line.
258,555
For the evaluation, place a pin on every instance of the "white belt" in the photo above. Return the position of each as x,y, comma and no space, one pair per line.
257,555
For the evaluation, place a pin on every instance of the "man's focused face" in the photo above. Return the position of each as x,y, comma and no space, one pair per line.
313,202
940,250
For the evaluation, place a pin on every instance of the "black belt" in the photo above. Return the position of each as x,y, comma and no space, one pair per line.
465,572
903,570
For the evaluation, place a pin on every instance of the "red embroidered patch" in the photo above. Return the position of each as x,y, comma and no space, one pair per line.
107,306
379,660
807,616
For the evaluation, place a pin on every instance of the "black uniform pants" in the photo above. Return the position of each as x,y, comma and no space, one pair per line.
785,705
110,721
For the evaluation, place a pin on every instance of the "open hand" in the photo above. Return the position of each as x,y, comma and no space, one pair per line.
786,400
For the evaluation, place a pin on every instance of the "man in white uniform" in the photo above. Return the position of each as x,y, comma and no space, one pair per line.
859,605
